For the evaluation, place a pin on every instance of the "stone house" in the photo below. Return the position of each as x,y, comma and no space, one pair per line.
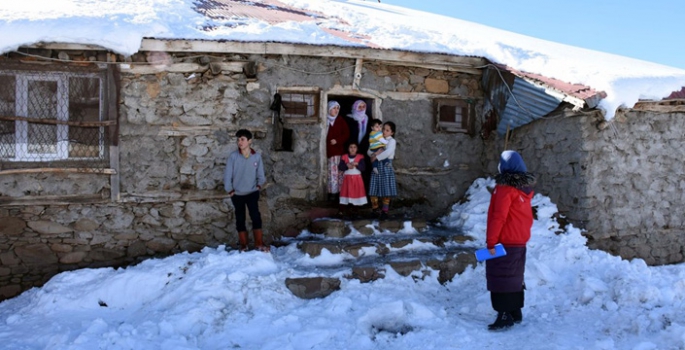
108,159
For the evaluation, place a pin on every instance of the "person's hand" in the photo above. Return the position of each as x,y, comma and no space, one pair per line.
333,142
492,251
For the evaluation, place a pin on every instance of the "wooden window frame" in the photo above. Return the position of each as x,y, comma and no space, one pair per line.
462,108
309,96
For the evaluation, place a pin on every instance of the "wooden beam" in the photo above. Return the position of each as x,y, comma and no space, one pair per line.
173,196
95,171
182,131
147,68
665,106
441,67
96,124
115,178
357,73
271,48
438,61
67,46
415,171
52,200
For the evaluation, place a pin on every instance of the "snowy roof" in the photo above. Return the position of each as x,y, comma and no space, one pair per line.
120,26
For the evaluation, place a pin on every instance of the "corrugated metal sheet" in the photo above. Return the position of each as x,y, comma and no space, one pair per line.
516,101
590,96
526,104
581,96
520,98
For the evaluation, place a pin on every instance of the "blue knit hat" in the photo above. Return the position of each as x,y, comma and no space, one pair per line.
511,162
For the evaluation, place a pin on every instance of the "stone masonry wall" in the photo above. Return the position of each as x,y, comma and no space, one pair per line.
622,181
176,130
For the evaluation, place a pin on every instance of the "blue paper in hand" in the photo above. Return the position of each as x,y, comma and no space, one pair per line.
484,254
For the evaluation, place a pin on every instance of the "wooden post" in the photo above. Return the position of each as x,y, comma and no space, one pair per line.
506,138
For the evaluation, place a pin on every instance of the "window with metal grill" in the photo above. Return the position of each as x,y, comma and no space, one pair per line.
53,119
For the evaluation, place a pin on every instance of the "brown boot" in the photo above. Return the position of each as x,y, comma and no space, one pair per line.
242,241
258,241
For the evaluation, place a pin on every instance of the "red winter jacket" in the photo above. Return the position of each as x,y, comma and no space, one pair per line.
510,217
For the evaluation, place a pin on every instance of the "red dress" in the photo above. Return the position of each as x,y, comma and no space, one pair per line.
352,191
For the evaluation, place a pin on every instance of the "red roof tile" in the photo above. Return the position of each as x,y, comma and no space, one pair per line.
677,95
274,12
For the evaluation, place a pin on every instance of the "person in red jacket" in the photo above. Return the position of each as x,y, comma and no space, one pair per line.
510,218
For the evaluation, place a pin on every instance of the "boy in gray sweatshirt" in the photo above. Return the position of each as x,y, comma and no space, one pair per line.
243,178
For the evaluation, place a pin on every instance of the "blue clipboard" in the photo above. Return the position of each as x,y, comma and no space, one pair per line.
484,254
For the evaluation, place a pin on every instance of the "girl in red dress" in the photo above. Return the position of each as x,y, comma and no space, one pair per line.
352,190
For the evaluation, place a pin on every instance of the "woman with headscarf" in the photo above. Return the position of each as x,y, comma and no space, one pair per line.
510,218
359,127
336,136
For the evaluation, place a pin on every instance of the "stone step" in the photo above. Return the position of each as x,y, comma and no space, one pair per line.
337,228
380,245
444,269
369,247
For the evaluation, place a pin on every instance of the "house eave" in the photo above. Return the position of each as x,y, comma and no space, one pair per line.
467,64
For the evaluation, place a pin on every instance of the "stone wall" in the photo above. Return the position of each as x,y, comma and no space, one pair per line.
620,181
176,130
36,242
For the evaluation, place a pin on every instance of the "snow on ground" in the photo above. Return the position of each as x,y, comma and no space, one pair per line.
576,298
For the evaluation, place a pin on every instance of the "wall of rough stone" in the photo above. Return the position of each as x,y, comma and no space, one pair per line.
176,130
620,181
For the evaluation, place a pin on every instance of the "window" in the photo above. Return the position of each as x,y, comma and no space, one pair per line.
53,116
454,115
300,106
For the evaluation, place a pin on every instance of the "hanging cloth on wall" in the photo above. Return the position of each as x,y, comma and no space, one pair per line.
283,137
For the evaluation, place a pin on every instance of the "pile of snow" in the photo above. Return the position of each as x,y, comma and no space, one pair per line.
576,298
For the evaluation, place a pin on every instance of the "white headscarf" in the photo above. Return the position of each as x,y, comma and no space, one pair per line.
331,119
361,118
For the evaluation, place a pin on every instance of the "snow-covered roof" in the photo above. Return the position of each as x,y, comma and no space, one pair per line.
120,26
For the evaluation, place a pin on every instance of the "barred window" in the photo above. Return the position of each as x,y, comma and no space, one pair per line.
53,119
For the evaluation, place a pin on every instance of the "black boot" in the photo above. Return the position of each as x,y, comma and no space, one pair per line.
517,315
504,320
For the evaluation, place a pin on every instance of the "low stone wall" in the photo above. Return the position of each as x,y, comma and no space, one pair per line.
621,181
39,241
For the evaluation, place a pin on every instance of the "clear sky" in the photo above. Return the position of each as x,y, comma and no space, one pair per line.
646,30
